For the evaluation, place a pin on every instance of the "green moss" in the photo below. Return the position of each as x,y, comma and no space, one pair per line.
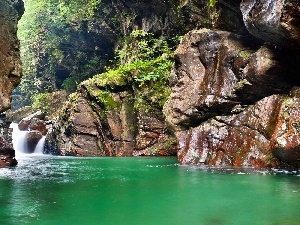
145,73
243,53
106,100
241,83
212,3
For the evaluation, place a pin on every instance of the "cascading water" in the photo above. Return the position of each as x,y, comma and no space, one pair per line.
19,140
40,145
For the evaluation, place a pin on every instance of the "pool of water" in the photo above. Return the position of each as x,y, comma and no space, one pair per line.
142,191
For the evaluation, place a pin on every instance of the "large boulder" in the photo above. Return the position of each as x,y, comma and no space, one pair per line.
216,71
34,121
39,125
33,137
97,122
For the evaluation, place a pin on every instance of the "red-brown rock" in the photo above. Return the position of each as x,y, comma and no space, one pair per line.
39,125
24,123
222,108
7,154
33,138
285,141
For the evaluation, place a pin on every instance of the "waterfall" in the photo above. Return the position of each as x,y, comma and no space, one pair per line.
40,145
19,140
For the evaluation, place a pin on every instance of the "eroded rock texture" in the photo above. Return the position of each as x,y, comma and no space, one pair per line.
231,103
10,66
273,21
89,128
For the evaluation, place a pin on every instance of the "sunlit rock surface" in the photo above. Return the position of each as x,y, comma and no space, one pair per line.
10,66
231,103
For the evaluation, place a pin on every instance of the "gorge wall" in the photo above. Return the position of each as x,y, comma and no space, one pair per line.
234,93
235,97
10,66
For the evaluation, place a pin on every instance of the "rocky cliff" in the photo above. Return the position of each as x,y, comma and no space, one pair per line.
10,66
234,85
234,96
123,117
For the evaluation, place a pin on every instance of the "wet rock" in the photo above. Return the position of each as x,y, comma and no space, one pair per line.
33,138
34,121
7,154
39,125
24,123
237,140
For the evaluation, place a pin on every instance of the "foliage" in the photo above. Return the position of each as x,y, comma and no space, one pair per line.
49,102
213,12
40,101
212,3
147,68
44,27
141,45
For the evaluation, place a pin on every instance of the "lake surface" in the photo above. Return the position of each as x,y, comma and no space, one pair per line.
142,191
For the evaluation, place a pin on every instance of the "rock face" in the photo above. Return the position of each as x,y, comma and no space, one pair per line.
10,66
235,94
88,127
231,103
10,63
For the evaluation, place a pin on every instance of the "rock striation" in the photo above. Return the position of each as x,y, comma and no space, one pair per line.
10,66
234,98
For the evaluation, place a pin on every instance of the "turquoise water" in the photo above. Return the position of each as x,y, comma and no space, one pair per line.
142,191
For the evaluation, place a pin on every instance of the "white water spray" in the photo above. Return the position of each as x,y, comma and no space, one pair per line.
40,146
19,140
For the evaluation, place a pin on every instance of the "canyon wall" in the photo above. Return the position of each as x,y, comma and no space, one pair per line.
234,86
10,66
235,97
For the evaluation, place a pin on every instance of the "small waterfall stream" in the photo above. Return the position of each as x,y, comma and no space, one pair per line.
19,140
40,146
